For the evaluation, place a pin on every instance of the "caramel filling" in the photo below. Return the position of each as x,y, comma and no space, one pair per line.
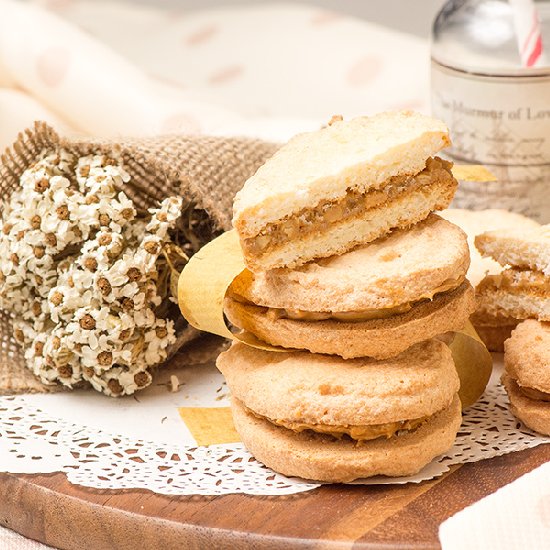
353,205
344,316
533,393
357,316
357,433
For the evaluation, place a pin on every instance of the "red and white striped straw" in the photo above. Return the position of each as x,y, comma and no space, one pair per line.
528,33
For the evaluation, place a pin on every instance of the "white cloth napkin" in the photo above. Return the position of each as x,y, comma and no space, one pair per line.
10,540
516,517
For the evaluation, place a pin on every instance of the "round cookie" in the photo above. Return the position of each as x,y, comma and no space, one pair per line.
533,413
378,338
406,266
322,458
527,355
300,387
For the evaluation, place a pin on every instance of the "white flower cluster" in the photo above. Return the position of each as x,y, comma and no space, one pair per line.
80,274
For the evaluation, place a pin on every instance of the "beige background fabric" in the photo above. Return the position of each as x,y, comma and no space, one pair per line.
115,68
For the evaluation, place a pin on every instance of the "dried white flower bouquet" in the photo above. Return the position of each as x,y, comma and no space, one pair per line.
91,245
86,278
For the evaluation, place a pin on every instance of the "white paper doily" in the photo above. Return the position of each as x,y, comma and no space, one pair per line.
35,441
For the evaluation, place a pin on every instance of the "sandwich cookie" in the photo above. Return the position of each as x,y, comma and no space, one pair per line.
527,374
374,301
324,418
325,192
522,290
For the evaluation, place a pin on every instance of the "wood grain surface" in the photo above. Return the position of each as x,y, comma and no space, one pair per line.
49,509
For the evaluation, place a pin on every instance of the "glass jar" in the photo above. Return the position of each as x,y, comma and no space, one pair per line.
498,111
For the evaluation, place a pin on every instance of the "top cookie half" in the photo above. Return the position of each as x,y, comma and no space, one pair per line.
327,191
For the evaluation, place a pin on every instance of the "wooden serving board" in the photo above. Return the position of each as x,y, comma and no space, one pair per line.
49,509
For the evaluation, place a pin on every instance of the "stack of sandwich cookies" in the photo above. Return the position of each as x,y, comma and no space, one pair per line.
522,291
346,259
320,417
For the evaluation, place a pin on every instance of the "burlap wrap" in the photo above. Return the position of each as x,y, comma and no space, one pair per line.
207,171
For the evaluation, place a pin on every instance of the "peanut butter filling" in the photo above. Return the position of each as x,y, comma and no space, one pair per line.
344,316
533,393
309,221
357,316
357,433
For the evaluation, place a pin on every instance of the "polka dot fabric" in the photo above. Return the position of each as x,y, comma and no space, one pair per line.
266,69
